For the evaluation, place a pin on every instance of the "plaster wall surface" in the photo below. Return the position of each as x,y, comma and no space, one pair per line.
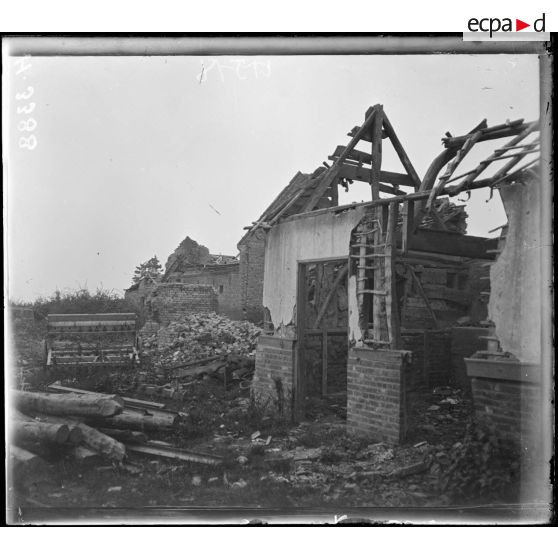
322,236
515,298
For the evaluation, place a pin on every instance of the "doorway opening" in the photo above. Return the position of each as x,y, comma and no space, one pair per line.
322,322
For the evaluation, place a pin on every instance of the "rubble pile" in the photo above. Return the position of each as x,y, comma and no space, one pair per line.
200,336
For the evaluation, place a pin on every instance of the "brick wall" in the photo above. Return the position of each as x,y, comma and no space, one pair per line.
170,301
430,365
464,343
376,401
225,279
274,374
512,406
252,253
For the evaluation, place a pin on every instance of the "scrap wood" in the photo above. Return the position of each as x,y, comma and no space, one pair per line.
128,401
161,450
68,404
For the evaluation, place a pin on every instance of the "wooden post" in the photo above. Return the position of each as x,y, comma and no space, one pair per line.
299,365
324,362
376,133
407,230
392,310
378,275
361,277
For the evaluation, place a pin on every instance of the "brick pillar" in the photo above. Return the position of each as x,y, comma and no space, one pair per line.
274,375
376,403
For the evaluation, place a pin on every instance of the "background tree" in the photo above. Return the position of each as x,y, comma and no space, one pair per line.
151,269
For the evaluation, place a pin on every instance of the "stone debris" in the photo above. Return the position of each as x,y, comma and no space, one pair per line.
198,336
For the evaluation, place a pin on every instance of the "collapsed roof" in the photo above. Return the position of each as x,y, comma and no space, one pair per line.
319,190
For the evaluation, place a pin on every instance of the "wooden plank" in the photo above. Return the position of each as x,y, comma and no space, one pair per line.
376,131
457,245
128,401
361,273
175,453
324,363
392,307
353,155
407,229
300,364
340,275
423,296
378,276
402,154
364,174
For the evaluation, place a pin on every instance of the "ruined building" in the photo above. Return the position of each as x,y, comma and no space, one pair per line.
363,300
194,281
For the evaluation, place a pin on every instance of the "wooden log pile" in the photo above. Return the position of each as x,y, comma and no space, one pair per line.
80,424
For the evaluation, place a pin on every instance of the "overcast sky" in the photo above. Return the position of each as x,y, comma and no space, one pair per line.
134,154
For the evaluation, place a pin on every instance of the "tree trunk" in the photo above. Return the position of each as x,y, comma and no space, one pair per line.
36,431
100,442
68,404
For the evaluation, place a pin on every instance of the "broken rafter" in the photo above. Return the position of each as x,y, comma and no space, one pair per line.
331,174
402,154
489,133
354,172
484,164
376,132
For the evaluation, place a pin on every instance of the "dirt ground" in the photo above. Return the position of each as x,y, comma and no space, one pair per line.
267,462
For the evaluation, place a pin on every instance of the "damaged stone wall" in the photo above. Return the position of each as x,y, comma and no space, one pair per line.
170,301
251,275
321,236
515,297
226,282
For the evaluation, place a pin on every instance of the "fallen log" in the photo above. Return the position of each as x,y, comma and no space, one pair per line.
35,431
75,436
98,405
84,454
138,420
126,436
100,442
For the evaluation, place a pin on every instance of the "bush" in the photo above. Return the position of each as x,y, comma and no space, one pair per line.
80,301
482,466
